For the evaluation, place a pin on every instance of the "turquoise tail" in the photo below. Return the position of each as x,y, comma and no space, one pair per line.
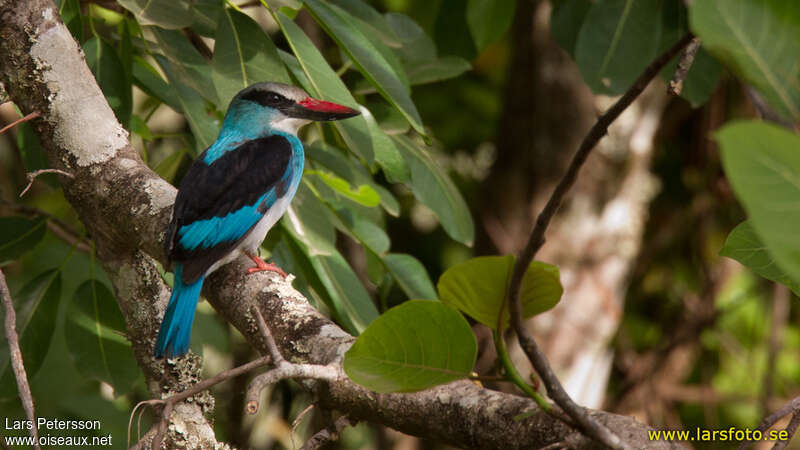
176,328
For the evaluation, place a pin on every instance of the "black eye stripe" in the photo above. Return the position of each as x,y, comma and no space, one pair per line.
267,98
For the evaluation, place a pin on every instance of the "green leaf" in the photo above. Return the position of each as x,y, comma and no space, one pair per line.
206,16
187,64
416,345
434,188
760,40
325,84
411,275
566,20
418,53
386,154
337,161
171,14
363,195
243,55
371,18
744,245
149,80
618,39
365,231
416,45
366,58
489,20
95,335
36,309
107,68
168,166
310,221
70,12
437,70
350,301
762,163
205,128
19,235
478,288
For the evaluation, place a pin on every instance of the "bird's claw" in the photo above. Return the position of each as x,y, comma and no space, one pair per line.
263,266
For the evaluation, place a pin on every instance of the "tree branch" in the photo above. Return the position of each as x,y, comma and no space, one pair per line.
126,208
536,240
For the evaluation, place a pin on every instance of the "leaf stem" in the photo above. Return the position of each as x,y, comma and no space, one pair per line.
514,376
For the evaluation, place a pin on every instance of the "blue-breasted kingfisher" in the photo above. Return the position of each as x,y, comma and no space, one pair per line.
233,193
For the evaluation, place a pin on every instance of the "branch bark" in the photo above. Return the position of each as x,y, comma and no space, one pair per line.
126,208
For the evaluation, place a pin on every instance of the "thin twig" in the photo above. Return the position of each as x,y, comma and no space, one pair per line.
272,347
792,406
327,435
25,118
554,389
790,429
300,416
284,371
16,359
31,176
170,401
684,64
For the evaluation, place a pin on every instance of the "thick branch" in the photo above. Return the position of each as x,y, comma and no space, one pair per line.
126,208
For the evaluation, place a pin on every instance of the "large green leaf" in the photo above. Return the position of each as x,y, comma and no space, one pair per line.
760,40
36,306
411,275
171,14
325,84
618,39
744,245
434,188
95,336
489,19
414,346
18,235
478,288
366,58
763,165
243,55
107,68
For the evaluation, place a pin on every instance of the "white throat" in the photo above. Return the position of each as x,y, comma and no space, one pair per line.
288,125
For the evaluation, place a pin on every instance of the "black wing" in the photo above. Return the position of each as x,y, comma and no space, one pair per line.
236,179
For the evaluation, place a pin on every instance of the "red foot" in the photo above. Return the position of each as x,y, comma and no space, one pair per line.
263,266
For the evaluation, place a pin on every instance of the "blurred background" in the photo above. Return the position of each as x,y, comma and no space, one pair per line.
654,323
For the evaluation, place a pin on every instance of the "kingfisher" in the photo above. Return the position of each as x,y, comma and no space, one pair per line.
233,193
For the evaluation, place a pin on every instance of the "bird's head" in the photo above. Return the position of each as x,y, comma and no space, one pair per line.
283,107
